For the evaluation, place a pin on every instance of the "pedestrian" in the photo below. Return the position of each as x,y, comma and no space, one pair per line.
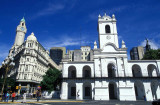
38,95
4,96
13,96
24,97
31,95
144,98
7,96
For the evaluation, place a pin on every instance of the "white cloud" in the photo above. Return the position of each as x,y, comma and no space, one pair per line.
52,8
153,44
94,15
65,41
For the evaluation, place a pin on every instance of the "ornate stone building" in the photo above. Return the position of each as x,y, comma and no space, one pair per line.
31,60
110,75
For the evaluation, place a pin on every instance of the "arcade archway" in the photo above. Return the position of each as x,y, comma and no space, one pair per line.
112,90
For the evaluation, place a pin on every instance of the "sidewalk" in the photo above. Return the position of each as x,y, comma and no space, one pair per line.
40,101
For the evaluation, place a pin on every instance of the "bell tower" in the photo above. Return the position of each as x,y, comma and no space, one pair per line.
20,33
107,30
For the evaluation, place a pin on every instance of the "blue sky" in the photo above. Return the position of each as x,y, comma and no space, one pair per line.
72,23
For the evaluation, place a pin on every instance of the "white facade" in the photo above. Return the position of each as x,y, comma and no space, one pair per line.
31,60
110,75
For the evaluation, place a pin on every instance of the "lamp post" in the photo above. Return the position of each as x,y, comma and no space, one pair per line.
7,64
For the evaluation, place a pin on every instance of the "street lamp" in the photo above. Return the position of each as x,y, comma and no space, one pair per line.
7,64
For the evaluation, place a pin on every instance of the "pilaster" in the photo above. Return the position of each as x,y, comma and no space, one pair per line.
64,90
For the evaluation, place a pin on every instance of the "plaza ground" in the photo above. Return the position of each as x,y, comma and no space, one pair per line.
76,102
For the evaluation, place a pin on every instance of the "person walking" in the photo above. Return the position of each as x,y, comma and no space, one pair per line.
4,96
24,97
7,96
13,96
38,95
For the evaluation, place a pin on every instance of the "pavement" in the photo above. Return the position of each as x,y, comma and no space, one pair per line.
75,102
40,101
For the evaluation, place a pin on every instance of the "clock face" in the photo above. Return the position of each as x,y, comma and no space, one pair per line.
108,37
22,28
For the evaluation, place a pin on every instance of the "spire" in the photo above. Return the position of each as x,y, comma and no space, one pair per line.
148,47
123,44
32,33
105,14
99,16
23,20
95,45
113,16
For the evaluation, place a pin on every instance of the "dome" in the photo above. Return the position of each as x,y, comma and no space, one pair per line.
32,37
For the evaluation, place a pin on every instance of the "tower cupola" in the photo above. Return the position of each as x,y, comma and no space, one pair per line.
32,37
107,30
20,33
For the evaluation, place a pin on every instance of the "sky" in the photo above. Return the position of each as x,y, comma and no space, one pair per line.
73,23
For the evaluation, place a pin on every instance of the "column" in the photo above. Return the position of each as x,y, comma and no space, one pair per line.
79,91
32,89
97,66
144,71
64,90
79,71
104,68
128,73
126,91
28,86
92,84
148,91
119,68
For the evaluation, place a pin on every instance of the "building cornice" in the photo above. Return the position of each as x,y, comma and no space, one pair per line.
130,61
77,62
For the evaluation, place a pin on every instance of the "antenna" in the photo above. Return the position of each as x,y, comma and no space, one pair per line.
24,15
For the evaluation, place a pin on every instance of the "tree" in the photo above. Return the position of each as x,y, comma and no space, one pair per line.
51,79
152,55
9,85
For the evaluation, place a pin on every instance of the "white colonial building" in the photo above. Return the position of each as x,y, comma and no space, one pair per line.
31,60
110,75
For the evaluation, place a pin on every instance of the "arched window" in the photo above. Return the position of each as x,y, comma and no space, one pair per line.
112,90
139,90
136,70
152,70
72,72
155,87
86,72
107,28
111,70
72,90
87,90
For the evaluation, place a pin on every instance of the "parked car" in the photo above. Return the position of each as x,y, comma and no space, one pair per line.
156,102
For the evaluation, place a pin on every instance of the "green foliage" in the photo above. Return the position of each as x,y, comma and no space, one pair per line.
50,80
152,55
9,85
11,82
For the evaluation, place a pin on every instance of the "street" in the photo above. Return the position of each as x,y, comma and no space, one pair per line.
74,102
